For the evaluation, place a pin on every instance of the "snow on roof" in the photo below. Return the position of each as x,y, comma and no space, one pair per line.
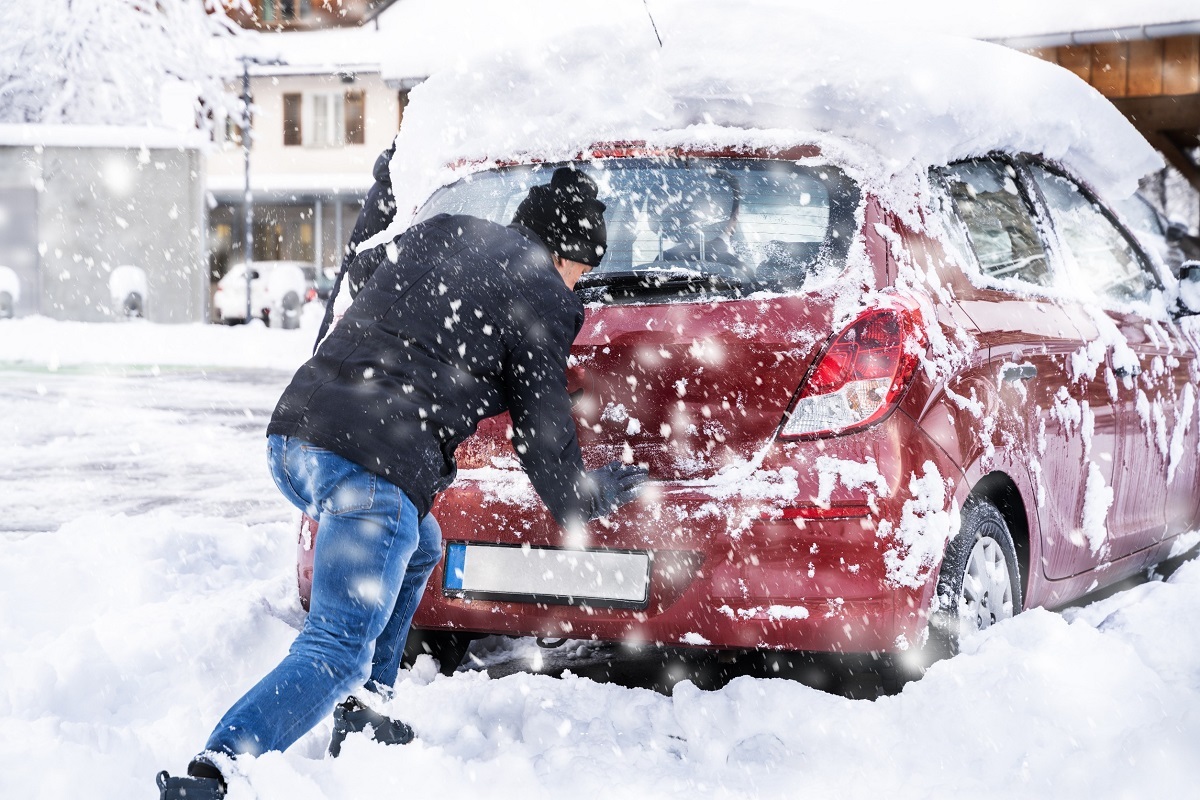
122,136
767,75
414,38
320,52
432,35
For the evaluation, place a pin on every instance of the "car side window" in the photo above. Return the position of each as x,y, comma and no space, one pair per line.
999,220
1107,263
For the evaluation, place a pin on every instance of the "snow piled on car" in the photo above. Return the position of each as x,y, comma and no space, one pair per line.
877,101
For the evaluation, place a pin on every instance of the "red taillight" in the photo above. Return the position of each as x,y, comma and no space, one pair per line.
310,295
859,377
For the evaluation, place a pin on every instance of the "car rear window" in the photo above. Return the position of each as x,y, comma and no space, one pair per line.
691,225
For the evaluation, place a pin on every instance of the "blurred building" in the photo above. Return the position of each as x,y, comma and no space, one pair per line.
1151,72
301,15
101,223
322,113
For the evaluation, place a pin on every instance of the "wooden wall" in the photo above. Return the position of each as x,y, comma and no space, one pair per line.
1152,68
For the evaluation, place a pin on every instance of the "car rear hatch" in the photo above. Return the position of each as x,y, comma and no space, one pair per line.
688,388
714,295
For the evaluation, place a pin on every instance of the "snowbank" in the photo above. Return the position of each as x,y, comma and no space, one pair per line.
42,342
769,75
136,632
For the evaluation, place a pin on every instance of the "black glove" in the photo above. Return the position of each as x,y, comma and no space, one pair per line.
613,485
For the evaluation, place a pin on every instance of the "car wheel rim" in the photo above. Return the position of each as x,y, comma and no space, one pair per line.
987,596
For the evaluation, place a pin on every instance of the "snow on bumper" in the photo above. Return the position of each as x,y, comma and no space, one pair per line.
811,568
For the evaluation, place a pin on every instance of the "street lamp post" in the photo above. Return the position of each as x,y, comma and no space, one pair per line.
247,194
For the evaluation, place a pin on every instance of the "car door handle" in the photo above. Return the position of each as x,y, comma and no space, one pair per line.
1018,372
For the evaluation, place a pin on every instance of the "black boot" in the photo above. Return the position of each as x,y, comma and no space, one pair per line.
352,716
195,786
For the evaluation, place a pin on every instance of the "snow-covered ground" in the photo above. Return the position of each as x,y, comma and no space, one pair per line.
147,581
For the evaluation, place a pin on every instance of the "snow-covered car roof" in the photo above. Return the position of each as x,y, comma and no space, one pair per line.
880,102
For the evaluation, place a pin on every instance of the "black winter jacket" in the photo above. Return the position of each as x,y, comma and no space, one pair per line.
456,320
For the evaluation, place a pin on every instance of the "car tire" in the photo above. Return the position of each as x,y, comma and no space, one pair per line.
962,603
290,311
6,305
446,647
979,583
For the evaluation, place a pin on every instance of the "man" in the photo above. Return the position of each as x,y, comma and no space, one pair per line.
456,320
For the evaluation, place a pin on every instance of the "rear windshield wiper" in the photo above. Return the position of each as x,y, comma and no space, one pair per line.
659,279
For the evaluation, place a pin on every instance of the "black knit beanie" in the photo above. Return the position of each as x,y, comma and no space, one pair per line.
567,217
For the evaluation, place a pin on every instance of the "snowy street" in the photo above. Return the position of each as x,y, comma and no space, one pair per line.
130,441
148,580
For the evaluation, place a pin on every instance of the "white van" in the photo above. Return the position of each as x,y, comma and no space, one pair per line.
278,291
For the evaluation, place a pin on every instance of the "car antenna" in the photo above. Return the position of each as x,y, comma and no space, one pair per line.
646,3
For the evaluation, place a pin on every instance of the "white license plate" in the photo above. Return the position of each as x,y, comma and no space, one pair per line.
614,578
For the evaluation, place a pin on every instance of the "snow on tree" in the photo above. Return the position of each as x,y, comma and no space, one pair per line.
115,62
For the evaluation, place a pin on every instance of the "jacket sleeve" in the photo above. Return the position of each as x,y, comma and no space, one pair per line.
543,429
379,208
363,267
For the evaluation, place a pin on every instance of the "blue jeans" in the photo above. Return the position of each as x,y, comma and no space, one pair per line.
370,566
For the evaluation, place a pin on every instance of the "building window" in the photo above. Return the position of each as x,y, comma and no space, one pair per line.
356,117
285,9
295,9
292,112
328,111
233,130
333,119
402,102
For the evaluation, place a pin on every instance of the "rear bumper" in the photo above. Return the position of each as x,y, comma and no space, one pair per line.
770,591
730,569
765,588
736,564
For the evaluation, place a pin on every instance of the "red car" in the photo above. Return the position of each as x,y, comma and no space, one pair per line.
867,429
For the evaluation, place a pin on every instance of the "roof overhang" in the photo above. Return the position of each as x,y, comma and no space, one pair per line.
100,136
1132,33
310,70
291,188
